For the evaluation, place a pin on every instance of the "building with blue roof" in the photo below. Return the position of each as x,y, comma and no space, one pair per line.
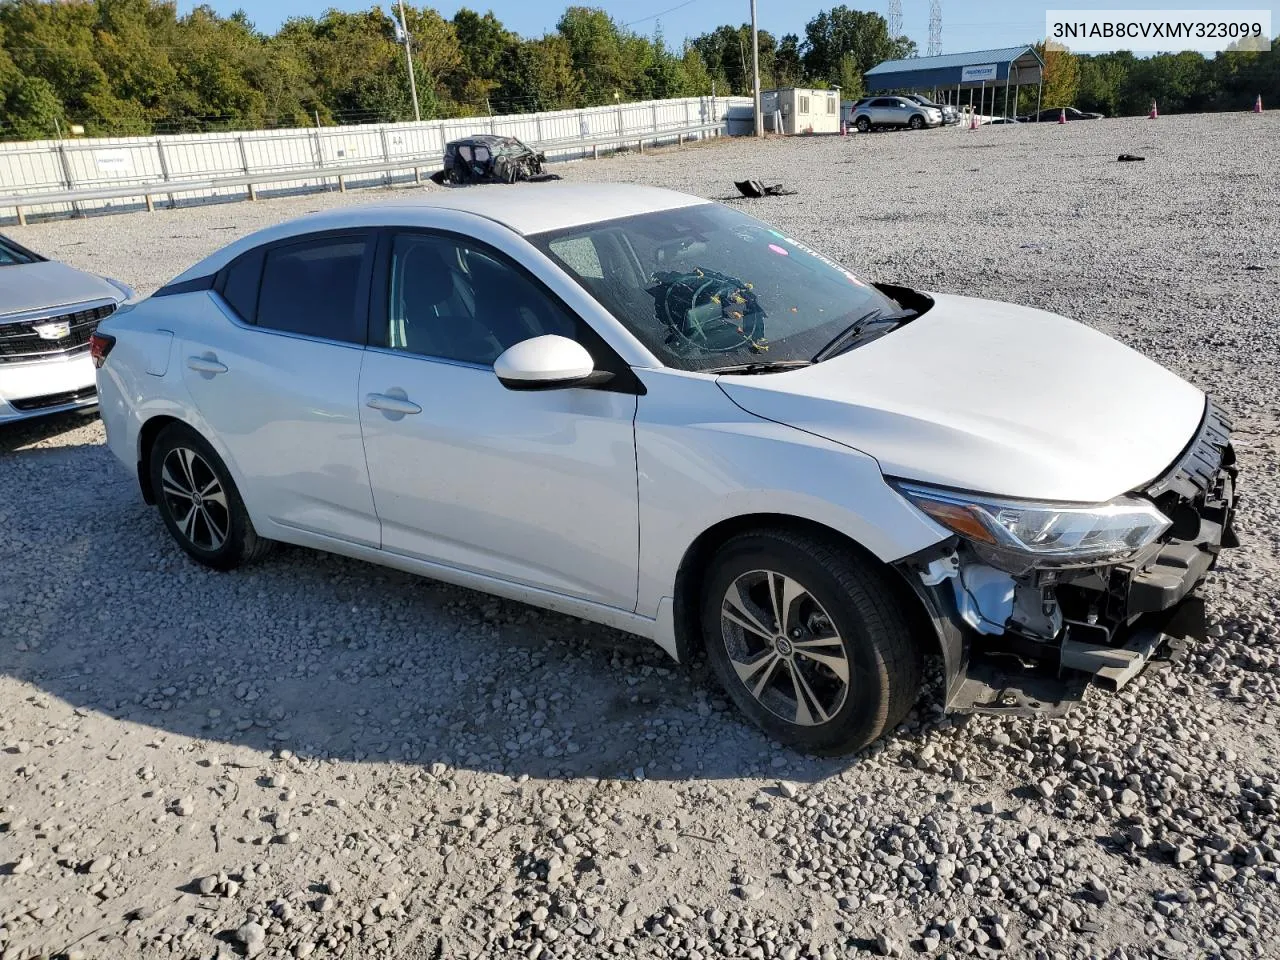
979,71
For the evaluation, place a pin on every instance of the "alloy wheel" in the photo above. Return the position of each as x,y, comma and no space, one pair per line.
784,648
195,498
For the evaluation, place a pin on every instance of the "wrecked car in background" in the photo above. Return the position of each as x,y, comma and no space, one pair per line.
488,158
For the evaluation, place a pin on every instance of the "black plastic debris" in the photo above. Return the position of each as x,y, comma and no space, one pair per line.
1128,158
755,189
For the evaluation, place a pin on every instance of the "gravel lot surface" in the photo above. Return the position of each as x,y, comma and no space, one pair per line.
317,757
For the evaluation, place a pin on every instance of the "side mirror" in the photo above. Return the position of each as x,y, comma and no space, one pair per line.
548,362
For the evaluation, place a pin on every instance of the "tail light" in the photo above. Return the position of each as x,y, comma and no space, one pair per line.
100,345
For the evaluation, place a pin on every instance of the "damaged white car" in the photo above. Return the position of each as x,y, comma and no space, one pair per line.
658,413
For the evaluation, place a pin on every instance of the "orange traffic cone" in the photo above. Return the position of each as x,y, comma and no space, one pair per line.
1154,114
1257,104
1062,117
844,130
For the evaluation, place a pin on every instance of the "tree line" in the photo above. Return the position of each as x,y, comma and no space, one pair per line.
122,67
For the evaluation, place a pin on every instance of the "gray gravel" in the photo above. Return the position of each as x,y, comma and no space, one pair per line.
323,758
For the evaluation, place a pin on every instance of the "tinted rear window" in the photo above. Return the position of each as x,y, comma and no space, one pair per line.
239,285
314,288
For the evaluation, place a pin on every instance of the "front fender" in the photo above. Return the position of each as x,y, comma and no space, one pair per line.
702,460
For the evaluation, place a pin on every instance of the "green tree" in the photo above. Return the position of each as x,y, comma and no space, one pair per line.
839,32
850,78
787,64
695,79
596,53
727,53
32,111
538,75
483,42
55,42
1102,82
1061,75
664,73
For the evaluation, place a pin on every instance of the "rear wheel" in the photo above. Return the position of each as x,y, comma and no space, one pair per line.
916,122
863,124
199,503
809,641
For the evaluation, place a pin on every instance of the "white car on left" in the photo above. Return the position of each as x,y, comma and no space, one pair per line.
48,311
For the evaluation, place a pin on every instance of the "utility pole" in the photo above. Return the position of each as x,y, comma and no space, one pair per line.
408,57
755,71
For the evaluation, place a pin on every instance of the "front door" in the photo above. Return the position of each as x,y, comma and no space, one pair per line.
533,487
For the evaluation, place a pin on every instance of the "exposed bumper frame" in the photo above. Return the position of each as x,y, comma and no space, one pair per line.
1163,603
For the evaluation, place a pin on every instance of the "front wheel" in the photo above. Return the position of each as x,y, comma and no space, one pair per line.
916,122
809,640
199,502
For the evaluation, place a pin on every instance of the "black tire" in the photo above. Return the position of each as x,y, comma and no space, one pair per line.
213,527
843,592
916,122
863,124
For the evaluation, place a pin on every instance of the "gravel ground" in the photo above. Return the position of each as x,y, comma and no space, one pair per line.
320,757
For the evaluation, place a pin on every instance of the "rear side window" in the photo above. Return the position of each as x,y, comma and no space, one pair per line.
238,285
318,288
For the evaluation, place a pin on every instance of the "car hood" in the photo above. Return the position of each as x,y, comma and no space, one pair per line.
26,287
992,397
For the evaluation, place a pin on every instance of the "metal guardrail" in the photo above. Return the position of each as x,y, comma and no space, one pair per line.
21,202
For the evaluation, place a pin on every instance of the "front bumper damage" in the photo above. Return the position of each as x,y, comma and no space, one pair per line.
1034,643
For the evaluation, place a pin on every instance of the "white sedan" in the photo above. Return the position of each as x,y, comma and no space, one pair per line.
660,414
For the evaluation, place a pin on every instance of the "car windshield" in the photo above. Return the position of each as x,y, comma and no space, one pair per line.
11,254
707,286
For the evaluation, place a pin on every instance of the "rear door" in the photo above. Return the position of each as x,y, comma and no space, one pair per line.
882,111
275,374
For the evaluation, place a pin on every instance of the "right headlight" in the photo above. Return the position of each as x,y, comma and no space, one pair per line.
1042,534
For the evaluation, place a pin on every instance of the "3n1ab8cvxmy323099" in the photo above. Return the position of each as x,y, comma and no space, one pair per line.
660,414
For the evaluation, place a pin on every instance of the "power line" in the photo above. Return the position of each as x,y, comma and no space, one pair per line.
662,13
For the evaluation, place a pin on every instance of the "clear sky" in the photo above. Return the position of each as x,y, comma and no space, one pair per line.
966,24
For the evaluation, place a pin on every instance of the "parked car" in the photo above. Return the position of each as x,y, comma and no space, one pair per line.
950,115
999,120
662,415
48,311
849,107
488,158
880,112
1052,114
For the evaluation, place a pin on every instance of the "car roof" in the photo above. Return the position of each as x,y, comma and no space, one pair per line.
525,208
529,208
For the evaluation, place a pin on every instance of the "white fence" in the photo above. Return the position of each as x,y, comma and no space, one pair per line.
318,155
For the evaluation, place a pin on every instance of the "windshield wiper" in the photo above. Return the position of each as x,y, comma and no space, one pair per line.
761,366
850,333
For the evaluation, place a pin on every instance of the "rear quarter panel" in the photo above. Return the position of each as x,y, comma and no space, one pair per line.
142,379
